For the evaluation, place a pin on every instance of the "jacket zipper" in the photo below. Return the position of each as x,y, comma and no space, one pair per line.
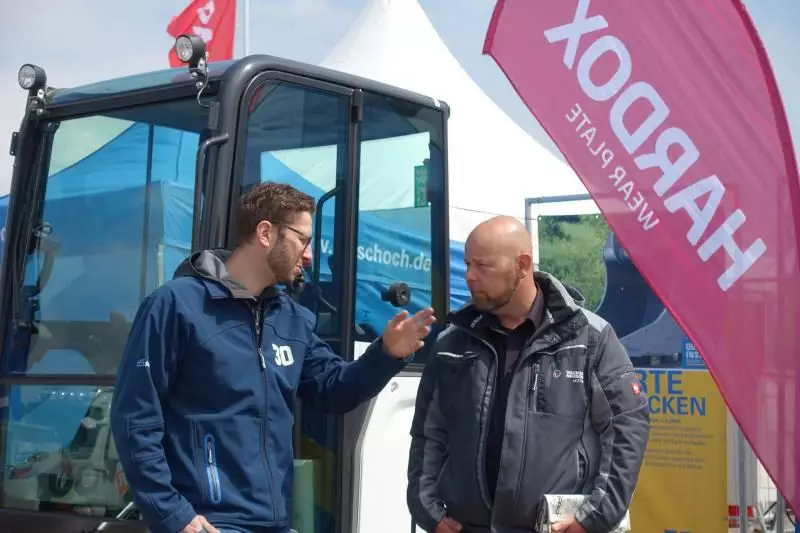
534,388
482,436
258,324
212,471
258,318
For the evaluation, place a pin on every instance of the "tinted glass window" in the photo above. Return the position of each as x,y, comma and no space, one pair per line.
400,176
135,82
298,135
115,221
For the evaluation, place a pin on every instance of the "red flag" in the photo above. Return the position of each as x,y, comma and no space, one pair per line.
670,114
212,20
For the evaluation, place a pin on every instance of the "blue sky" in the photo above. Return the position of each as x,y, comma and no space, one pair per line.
87,40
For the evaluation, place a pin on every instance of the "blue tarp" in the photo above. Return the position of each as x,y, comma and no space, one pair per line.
96,210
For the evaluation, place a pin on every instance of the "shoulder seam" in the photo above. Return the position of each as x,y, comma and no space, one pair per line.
595,321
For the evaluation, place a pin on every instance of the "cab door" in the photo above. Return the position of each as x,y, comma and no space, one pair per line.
374,159
303,132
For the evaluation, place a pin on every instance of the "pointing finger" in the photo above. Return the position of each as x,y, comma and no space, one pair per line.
424,313
429,320
423,317
398,318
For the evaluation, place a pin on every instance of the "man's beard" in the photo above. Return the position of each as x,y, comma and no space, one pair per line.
496,303
282,265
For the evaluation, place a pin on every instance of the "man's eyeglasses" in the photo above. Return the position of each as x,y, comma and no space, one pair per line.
305,240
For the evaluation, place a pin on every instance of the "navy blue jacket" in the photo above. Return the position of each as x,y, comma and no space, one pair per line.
202,411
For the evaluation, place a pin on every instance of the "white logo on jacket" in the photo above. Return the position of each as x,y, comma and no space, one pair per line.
283,355
575,375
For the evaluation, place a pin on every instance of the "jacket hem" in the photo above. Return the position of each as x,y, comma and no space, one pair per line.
223,523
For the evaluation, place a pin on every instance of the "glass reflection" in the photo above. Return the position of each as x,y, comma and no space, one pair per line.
59,453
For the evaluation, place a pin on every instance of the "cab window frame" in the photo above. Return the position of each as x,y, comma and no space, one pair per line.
432,120
345,197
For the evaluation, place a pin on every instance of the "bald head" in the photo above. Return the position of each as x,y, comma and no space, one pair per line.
502,235
499,260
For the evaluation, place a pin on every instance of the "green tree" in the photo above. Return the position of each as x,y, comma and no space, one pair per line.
570,248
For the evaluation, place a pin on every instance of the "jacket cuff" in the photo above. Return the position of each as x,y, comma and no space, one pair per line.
389,360
178,520
588,520
435,516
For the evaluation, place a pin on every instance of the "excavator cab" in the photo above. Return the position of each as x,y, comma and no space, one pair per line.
116,182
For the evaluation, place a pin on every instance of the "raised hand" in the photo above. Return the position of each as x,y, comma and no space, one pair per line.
404,335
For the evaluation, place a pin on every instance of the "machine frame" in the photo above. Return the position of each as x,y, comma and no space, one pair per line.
224,88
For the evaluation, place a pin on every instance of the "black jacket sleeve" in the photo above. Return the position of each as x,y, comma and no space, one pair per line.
428,451
623,406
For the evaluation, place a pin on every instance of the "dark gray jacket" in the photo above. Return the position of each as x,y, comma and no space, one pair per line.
576,423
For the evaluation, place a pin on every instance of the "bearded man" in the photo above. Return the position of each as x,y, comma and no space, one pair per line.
525,394
202,411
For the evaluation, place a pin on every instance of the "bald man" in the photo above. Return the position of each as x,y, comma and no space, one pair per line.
525,394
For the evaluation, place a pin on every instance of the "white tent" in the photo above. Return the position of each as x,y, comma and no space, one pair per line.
494,165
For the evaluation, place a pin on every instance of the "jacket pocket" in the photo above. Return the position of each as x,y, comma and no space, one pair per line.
212,472
558,387
550,464
581,467
459,490
230,475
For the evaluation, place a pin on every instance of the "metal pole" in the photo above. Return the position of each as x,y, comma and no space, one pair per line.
743,522
780,516
246,27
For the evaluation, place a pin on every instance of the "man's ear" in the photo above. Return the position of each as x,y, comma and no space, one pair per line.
264,233
525,264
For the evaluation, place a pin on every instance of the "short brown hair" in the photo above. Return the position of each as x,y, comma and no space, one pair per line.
273,202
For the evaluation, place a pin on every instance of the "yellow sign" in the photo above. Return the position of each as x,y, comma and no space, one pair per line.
683,484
